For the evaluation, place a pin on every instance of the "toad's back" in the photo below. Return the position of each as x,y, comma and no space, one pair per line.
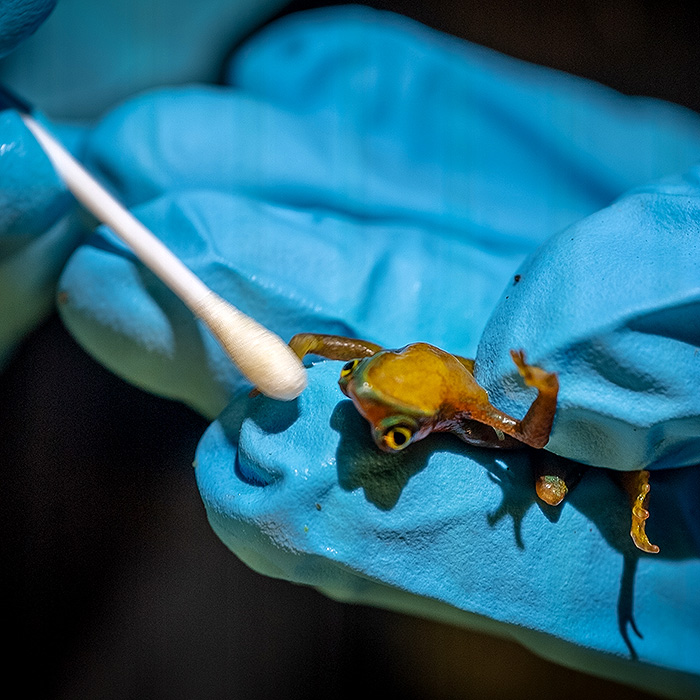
421,376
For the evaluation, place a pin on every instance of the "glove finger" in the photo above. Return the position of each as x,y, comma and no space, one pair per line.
37,231
215,138
612,305
292,270
517,130
386,119
453,532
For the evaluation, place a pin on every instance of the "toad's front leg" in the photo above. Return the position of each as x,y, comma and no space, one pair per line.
534,428
332,347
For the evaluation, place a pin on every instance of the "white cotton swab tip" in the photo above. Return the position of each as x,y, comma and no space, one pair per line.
261,356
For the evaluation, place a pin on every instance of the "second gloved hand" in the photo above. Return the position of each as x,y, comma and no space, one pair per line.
37,231
40,227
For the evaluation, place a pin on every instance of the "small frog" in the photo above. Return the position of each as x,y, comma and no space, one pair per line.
407,394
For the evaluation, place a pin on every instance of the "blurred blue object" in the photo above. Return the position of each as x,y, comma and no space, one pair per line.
39,229
36,236
369,177
90,55
19,19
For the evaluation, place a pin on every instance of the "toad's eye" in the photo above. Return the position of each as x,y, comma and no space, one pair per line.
348,367
397,438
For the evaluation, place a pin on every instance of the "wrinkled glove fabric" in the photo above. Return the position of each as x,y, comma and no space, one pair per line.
612,305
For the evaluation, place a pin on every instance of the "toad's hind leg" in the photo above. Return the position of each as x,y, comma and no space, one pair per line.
636,484
332,347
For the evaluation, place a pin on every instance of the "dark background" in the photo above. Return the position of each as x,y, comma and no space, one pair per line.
113,584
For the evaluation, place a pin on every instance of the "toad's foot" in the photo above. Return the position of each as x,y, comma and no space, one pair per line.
636,484
555,477
551,489
545,382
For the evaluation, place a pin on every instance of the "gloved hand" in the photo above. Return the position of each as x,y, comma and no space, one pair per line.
371,178
38,224
38,227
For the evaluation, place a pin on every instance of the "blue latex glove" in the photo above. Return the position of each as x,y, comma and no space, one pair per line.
372,178
38,227
612,305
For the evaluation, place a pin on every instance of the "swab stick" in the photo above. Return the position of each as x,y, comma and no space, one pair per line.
261,356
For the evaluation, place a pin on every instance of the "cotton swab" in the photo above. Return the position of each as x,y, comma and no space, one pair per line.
261,356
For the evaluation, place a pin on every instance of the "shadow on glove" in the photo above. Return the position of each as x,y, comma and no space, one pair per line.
446,522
